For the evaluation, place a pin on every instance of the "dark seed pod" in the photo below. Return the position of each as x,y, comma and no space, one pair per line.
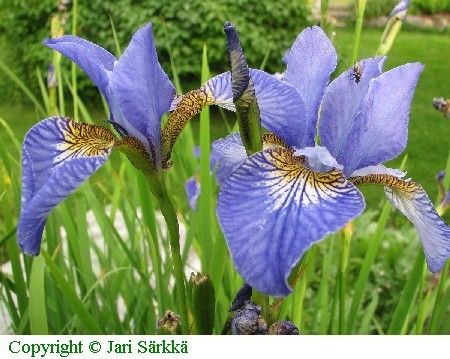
283,327
169,324
247,321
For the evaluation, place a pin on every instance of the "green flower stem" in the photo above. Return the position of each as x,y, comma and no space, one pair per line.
156,184
360,7
437,310
344,255
74,66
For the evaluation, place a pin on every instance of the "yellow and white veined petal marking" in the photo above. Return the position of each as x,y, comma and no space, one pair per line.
58,155
411,199
272,209
83,139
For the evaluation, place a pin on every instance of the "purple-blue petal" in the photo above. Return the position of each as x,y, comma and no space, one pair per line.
272,210
142,89
281,107
58,155
379,132
311,61
434,233
96,62
342,101
400,9
192,188
230,153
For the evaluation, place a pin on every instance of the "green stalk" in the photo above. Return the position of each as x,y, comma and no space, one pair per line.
360,7
437,310
400,317
74,66
156,184
204,202
421,307
345,250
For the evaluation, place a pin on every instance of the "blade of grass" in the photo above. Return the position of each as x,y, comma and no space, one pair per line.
77,305
399,319
44,92
38,311
116,40
9,287
300,290
8,236
204,207
441,303
23,87
74,66
369,258
368,316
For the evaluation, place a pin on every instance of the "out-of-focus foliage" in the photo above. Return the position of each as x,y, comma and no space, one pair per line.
430,6
181,27
378,8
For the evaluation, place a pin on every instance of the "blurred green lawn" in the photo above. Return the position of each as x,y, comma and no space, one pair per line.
429,131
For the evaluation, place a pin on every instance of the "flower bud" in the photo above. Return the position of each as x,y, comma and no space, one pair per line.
203,303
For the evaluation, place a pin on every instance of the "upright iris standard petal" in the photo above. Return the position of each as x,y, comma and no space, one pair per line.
93,59
58,155
143,90
410,198
343,100
272,209
311,61
379,132
281,107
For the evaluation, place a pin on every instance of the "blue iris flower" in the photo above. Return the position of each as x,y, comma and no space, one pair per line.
192,186
275,204
59,154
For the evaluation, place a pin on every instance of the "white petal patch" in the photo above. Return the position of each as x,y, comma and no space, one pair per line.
319,159
378,170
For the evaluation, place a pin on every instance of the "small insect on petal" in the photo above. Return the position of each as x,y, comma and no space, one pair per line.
357,71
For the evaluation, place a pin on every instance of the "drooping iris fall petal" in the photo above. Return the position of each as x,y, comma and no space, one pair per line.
58,155
410,198
272,209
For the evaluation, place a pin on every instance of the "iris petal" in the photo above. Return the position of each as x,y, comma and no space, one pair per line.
319,158
311,61
58,155
281,107
410,198
272,209
192,188
93,59
342,101
379,132
229,153
143,90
